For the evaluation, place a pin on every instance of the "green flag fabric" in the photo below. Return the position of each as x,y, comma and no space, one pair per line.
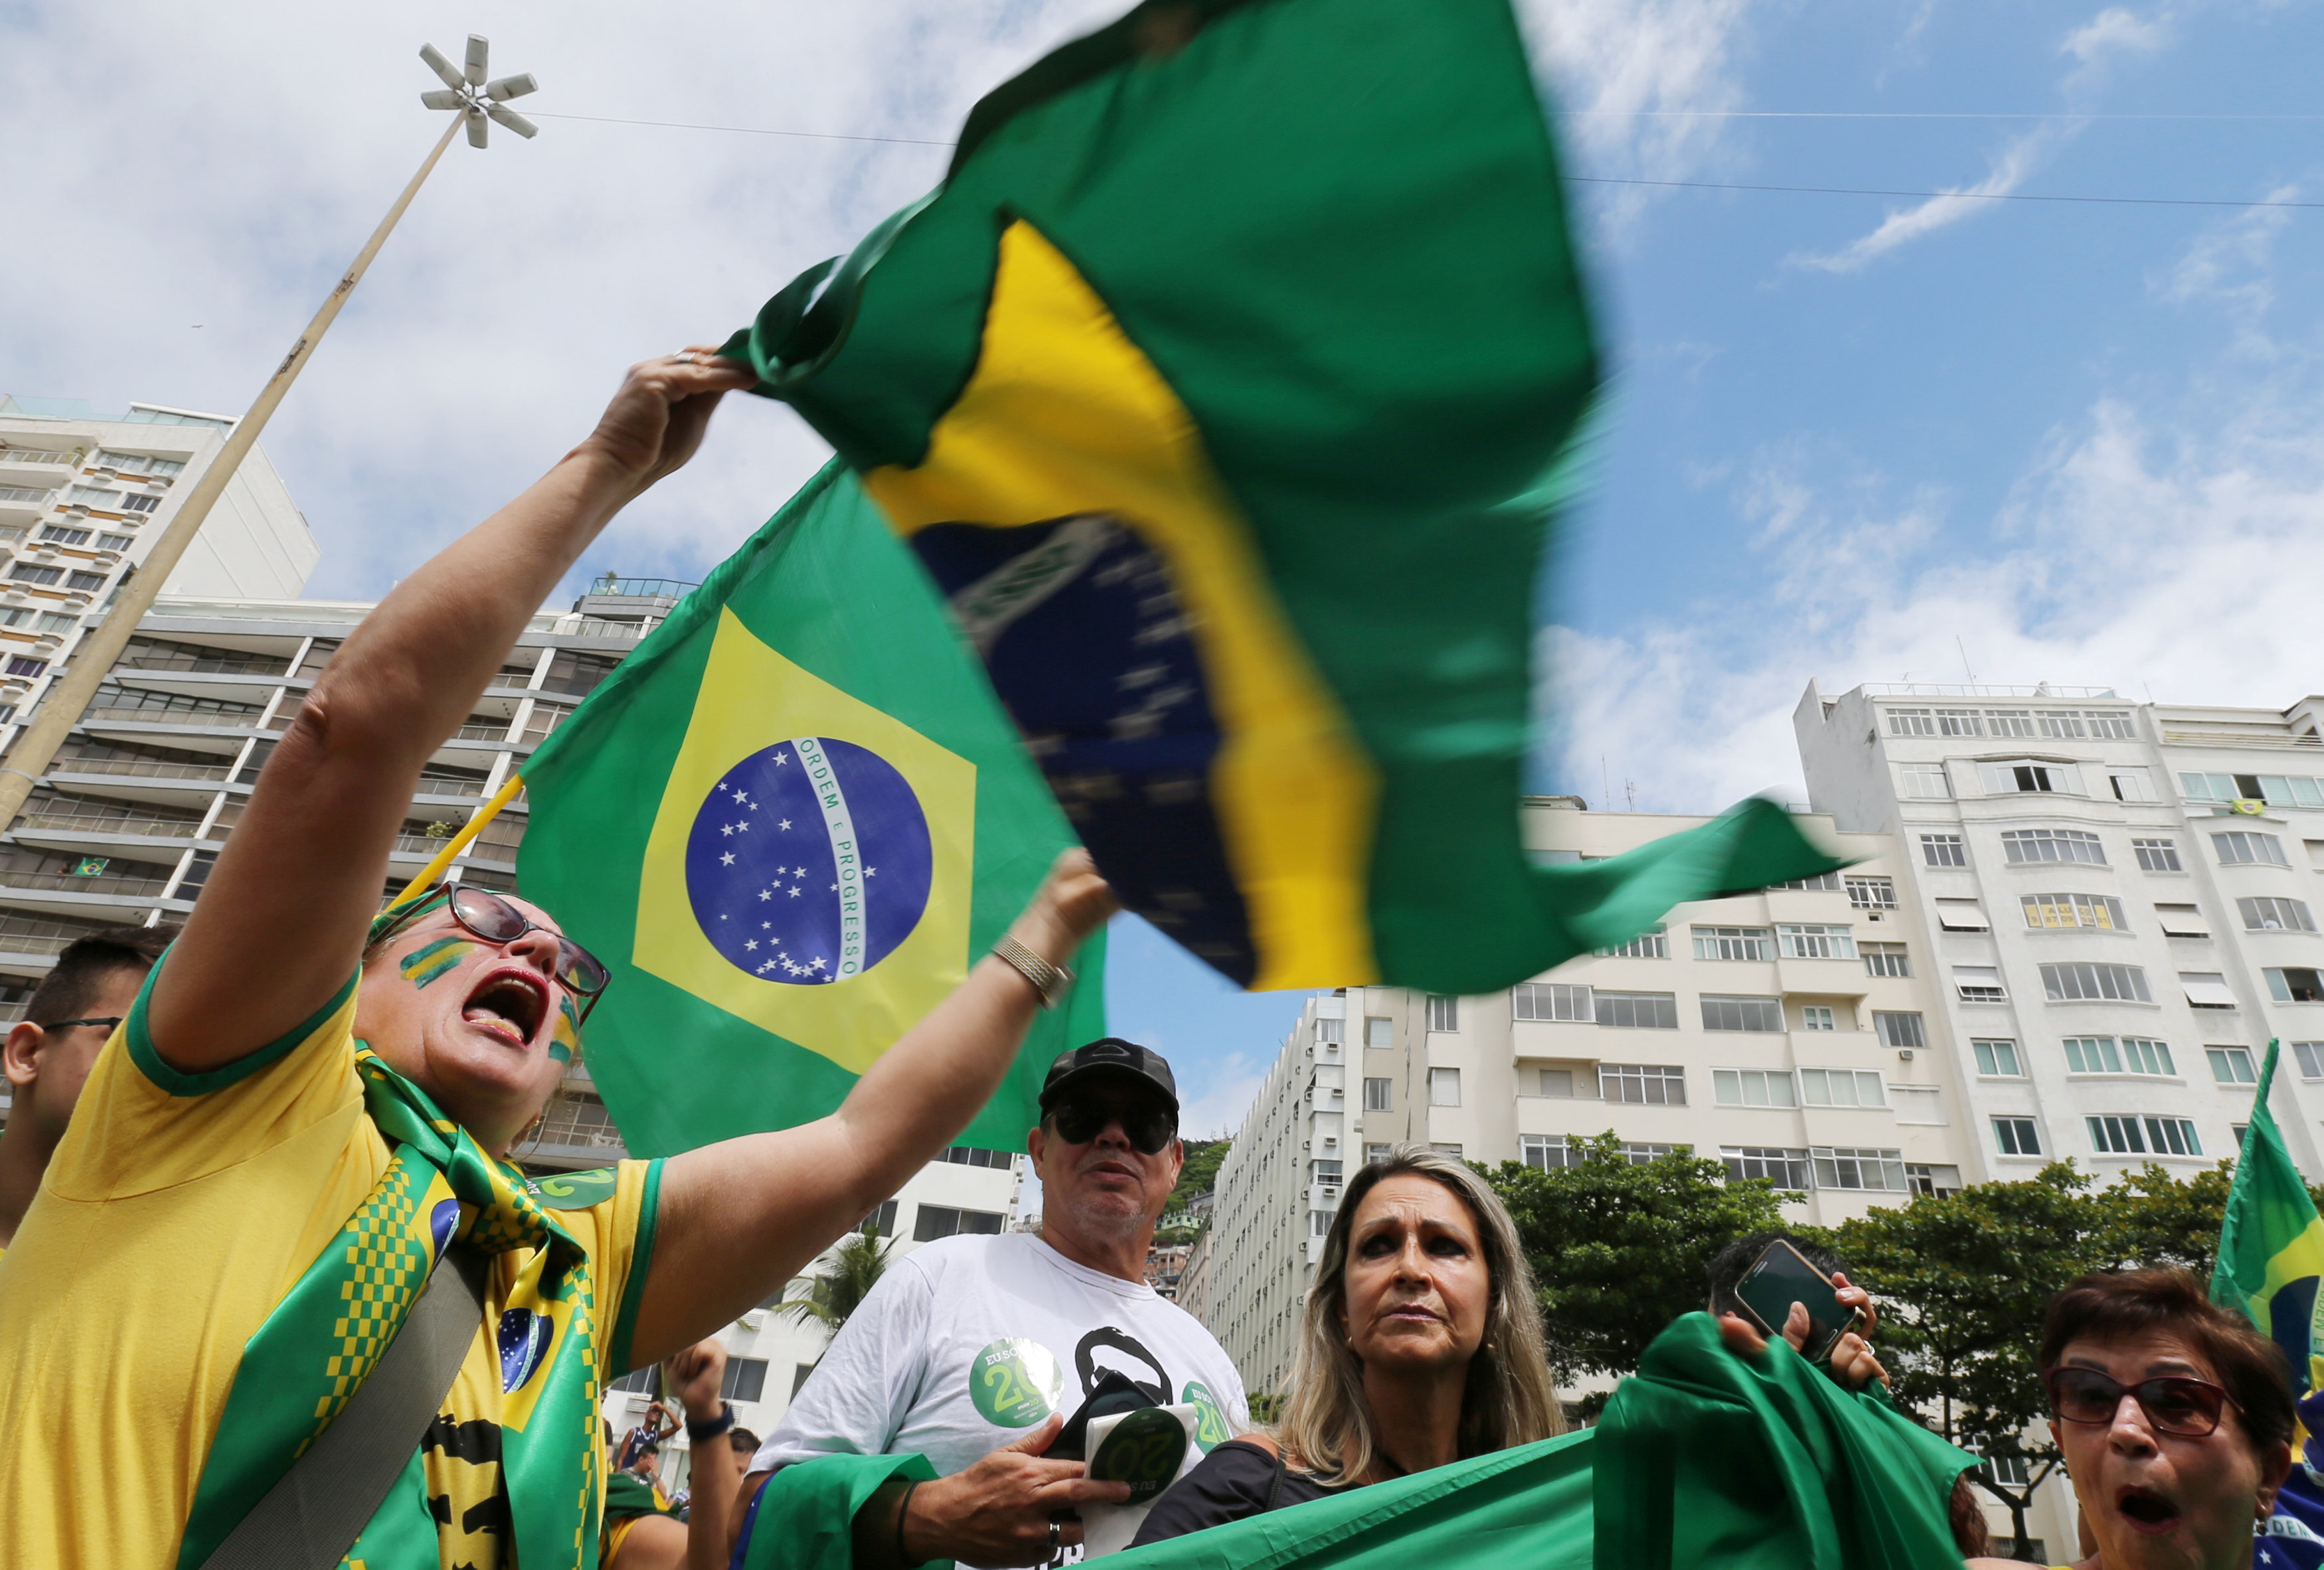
1702,1461
2271,1243
788,824
1225,387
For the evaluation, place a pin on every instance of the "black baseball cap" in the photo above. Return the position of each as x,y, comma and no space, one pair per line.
1106,1056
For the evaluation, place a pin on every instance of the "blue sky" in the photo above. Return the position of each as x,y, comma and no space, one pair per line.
1852,437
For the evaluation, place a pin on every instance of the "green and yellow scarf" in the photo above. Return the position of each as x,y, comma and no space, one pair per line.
314,1349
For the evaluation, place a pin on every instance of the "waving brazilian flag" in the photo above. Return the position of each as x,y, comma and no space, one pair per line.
1222,387
788,822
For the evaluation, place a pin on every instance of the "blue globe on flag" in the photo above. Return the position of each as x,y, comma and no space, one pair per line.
808,862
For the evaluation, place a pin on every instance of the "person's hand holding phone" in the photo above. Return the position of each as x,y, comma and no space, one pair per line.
1852,1361
1781,1269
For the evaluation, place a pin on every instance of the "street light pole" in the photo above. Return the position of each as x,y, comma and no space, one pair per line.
92,660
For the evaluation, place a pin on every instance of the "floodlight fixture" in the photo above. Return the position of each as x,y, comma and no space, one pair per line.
477,101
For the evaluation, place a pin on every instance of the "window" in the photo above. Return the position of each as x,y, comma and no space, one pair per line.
1653,943
1943,851
2130,785
60,535
2234,850
1444,1013
2009,722
112,542
2157,855
1840,1088
2206,988
2294,984
2142,1056
745,1379
1911,722
1840,1167
1557,1082
1752,1087
2271,914
882,1217
1961,915
1922,781
1958,722
1786,1169
93,496
1549,1152
1646,1011
964,1155
1742,1013
1330,1033
1821,883
2006,778
2060,724
2081,982
2020,846
2120,1136
1817,942
1885,959
85,582
1899,1029
1931,1177
2101,911
1379,1095
2136,1055
2182,921
2110,724
1996,1059
1443,1087
1319,1222
1734,943
1379,1033
2311,1057
1652,1085
141,502
1375,1153
1978,984
2016,1136
1872,893
25,665
1549,1000
1817,1016
1639,1153
935,1221
1447,1150
2231,1065
26,573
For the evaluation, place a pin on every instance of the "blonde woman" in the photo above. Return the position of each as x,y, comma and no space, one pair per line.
1421,1346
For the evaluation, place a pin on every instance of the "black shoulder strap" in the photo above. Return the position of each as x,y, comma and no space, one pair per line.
315,1511
1274,1488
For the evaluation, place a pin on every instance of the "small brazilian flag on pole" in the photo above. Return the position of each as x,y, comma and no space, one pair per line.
788,822
1222,387
2272,1244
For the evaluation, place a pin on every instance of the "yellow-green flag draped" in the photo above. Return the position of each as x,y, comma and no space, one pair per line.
2271,1243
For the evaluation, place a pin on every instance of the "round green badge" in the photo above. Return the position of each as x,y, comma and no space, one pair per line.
1145,1450
1016,1383
1210,1422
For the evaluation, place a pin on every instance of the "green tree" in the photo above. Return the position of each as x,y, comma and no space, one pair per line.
1200,1172
850,1270
1617,1248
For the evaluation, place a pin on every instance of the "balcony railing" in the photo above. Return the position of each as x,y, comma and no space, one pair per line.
33,943
142,768
449,787
482,733
204,664
91,823
247,717
74,883
32,456
599,627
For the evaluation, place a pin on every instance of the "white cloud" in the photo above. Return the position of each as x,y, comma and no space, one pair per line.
2024,153
2117,31
2147,549
1230,1083
2232,262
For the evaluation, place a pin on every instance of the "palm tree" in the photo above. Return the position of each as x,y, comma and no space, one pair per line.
850,1271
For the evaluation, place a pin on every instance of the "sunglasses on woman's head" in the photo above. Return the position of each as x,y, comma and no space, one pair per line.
486,915
1148,1126
2186,1408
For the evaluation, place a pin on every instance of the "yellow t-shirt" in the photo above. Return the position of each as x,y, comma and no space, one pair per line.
178,1209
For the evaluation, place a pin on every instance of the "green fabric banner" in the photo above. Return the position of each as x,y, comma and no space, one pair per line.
789,822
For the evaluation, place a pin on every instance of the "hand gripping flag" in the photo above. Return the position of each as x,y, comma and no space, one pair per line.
789,822
1221,387
2270,1261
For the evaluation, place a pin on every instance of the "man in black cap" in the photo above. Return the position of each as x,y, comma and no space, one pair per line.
973,1351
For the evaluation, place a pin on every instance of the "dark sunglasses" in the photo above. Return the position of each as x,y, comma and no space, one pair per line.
66,1024
1148,1127
2187,1409
487,915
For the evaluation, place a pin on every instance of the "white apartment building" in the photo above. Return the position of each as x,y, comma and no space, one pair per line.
1786,1032
2116,901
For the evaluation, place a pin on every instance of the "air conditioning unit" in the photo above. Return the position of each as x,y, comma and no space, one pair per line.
1905,1054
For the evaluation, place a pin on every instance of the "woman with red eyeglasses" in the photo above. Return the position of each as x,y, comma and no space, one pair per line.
2175,1416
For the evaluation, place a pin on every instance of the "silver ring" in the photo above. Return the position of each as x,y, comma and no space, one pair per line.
685,357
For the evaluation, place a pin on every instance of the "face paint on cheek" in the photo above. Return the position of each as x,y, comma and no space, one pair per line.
432,961
565,1041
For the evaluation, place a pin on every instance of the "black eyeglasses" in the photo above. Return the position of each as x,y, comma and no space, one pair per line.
1148,1126
2186,1408
66,1024
492,918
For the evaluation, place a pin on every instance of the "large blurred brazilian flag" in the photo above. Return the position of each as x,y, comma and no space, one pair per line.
1222,387
788,822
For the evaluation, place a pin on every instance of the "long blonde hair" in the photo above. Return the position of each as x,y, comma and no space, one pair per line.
1327,1427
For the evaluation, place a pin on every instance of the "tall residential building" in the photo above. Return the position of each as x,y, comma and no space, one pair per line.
1786,1032
2116,901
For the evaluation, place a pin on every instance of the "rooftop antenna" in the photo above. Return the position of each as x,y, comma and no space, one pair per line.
1964,653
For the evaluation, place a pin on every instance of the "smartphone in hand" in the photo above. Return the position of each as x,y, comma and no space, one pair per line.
1783,1276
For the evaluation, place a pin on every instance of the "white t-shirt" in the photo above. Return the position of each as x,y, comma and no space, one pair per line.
969,1341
